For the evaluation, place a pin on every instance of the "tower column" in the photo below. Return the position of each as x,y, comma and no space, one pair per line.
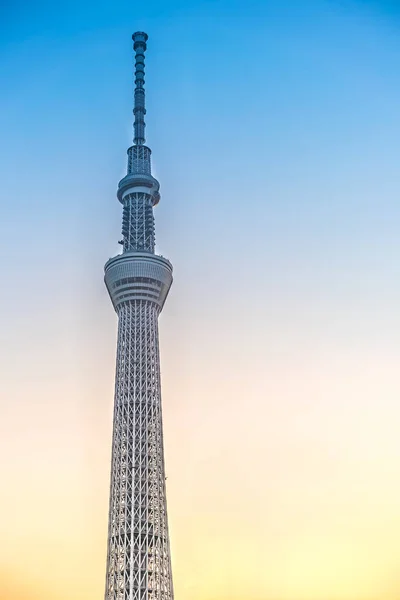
138,282
138,564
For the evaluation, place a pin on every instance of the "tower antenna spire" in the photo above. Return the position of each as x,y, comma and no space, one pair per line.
139,45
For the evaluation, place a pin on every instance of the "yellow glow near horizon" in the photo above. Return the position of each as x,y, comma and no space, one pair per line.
297,499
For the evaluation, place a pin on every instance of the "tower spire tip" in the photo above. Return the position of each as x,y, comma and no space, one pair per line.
139,37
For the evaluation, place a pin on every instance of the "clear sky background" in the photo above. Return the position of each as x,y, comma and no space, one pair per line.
275,133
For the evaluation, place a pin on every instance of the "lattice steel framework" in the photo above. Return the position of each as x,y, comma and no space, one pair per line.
138,281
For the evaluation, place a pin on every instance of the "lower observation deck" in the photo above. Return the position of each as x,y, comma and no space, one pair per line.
138,276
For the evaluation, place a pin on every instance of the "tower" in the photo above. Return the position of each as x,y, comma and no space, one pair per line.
138,281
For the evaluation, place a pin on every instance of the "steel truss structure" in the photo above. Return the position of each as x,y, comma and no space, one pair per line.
138,281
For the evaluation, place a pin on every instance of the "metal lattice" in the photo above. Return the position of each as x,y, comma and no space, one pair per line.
138,563
138,281
139,160
138,223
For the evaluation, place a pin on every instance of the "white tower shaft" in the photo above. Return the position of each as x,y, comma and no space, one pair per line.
138,281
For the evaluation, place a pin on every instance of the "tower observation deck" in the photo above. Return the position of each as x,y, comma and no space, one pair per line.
138,281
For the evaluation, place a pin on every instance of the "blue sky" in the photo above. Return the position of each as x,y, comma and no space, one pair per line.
271,124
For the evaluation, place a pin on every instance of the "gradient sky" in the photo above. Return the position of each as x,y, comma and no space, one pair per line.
275,133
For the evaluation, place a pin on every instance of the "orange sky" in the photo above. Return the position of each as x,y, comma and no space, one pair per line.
277,487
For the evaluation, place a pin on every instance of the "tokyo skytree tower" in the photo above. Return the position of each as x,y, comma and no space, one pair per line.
138,281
